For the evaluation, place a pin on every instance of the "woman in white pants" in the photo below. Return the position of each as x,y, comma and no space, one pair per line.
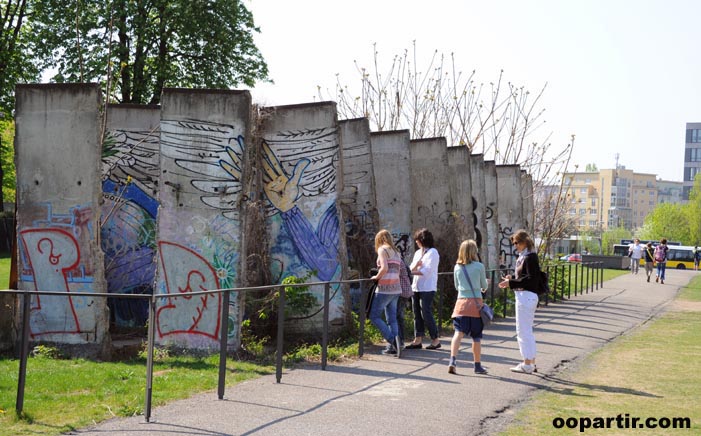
525,283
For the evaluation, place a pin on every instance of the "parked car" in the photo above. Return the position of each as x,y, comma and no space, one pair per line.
574,257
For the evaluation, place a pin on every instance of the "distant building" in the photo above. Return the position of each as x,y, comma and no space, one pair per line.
610,198
692,156
670,192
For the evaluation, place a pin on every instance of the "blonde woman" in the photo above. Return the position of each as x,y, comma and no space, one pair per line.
388,290
470,280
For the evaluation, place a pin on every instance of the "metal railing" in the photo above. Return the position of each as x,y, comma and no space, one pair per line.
594,271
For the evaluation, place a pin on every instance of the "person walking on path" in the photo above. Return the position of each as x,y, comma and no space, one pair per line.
467,273
635,252
697,257
525,283
424,267
388,291
661,259
649,260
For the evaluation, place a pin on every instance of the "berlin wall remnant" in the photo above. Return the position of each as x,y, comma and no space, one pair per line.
528,205
392,170
460,186
130,172
203,137
57,128
302,176
480,210
358,196
432,204
492,198
510,207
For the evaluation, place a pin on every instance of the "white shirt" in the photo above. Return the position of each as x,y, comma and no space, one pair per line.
636,250
428,281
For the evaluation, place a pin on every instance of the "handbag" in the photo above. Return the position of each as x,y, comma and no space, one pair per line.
486,312
405,280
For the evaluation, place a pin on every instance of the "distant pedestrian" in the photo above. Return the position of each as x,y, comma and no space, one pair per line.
661,260
635,252
424,267
470,281
525,283
697,257
388,291
649,260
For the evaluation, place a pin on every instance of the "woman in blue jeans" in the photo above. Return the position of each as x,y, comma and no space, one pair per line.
424,268
388,290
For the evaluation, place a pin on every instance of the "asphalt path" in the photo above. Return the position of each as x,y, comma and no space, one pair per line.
415,395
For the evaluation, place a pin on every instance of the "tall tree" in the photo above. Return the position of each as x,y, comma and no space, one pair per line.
15,61
137,47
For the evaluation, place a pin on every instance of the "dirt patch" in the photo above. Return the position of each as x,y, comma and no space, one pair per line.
686,306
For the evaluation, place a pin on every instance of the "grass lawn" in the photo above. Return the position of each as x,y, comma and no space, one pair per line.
652,372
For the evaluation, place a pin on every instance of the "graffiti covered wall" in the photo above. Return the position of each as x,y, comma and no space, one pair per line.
57,152
130,171
460,186
199,229
301,181
510,206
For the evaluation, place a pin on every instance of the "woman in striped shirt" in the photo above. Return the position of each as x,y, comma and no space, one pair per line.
388,291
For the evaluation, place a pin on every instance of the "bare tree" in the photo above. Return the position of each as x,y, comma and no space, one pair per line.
498,119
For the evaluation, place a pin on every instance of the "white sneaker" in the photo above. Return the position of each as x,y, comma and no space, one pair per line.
523,368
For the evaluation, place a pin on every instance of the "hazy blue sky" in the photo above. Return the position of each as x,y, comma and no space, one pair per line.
624,76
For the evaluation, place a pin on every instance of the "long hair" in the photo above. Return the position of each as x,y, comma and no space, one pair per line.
467,252
425,237
523,236
383,237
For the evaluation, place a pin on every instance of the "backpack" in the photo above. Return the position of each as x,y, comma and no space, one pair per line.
660,254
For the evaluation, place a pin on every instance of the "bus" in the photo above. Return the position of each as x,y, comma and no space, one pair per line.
678,256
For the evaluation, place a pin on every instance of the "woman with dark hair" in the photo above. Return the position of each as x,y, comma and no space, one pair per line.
424,268
525,284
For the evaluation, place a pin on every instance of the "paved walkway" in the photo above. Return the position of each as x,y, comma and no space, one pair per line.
415,395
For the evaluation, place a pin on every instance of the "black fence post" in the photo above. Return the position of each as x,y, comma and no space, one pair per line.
149,358
23,353
364,295
280,332
222,344
325,329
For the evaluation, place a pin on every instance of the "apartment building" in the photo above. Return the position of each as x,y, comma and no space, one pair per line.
692,156
610,198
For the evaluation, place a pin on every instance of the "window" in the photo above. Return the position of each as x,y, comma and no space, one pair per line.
573,211
593,201
582,190
582,211
690,173
693,136
692,155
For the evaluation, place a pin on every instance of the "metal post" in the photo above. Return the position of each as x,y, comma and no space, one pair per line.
149,359
576,285
23,353
587,273
223,345
280,331
440,308
361,319
602,275
325,330
569,282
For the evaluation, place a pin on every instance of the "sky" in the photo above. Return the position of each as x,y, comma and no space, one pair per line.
623,76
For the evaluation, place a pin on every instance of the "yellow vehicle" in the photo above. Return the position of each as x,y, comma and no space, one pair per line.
678,256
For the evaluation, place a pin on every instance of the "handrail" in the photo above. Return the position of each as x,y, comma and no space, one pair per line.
594,268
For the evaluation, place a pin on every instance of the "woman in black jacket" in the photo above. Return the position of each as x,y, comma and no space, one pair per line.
525,284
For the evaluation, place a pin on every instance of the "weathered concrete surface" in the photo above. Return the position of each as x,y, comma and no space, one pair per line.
416,390
480,209
392,170
58,128
199,228
528,202
357,199
460,186
302,178
130,172
430,191
510,206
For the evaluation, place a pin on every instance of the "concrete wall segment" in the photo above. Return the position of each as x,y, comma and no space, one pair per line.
460,185
58,128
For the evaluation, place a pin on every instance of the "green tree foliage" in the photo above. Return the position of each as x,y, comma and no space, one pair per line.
7,159
613,236
16,64
667,220
693,212
146,45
